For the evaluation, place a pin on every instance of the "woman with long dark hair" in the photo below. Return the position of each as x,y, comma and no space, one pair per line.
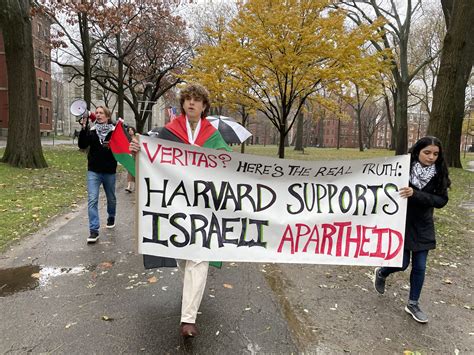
428,189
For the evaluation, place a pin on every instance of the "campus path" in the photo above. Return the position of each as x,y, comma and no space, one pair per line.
44,141
99,299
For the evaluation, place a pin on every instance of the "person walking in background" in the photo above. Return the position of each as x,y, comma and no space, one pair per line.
428,189
101,168
191,127
130,178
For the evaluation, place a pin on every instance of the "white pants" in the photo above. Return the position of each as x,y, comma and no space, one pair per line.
194,284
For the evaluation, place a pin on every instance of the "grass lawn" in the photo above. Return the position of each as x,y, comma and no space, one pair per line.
29,198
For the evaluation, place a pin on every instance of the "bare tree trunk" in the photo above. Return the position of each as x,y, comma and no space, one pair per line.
401,119
23,148
139,123
282,140
87,50
120,89
457,59
338,133
359,119
299,132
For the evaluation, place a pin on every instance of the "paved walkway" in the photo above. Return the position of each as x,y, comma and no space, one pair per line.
99,299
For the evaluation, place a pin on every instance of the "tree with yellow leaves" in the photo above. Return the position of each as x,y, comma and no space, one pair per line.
281,52
210,69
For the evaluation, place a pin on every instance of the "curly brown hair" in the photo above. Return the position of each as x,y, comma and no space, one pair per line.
197,92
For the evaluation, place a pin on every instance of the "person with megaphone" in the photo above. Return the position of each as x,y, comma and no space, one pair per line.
101,166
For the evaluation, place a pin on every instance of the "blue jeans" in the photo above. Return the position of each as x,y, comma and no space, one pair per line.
417,275
94,180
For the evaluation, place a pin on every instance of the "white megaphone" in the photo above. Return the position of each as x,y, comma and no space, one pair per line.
79,109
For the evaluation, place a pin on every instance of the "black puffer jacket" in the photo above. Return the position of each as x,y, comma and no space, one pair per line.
420,231
100,159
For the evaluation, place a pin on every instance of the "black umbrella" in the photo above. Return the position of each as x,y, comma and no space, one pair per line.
231,131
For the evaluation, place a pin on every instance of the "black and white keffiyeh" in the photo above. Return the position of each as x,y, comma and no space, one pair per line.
421,175
103,129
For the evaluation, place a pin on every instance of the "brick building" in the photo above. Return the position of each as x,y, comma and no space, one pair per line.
42,56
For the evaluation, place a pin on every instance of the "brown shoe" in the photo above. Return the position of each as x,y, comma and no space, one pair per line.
188,330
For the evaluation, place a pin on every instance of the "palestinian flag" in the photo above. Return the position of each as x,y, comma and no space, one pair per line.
119,143
208,137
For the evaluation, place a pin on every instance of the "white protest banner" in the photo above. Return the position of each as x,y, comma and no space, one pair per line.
202,204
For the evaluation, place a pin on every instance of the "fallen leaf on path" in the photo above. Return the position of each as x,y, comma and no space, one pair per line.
153,280
105,265
36,275
447,281
69,325
228,286
165,288
107,319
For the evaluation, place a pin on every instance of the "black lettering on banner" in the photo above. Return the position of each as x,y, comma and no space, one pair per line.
360,197
179,191
174,237
198,192
345,190
150,191
155,227
390,187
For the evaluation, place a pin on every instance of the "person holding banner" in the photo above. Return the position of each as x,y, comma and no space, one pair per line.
191,127
101,168
428,189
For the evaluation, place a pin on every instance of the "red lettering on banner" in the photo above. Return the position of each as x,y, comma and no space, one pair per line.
299,234
399,239
179,157
364,240
166,155
340,238
314,240
177,154
288,238
328,231
378,253
152,159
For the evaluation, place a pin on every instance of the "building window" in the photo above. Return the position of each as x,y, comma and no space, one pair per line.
98,95
47,115
46,84
40,87
41,114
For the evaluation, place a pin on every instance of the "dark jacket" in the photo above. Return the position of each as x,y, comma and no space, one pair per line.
99,159
420,231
